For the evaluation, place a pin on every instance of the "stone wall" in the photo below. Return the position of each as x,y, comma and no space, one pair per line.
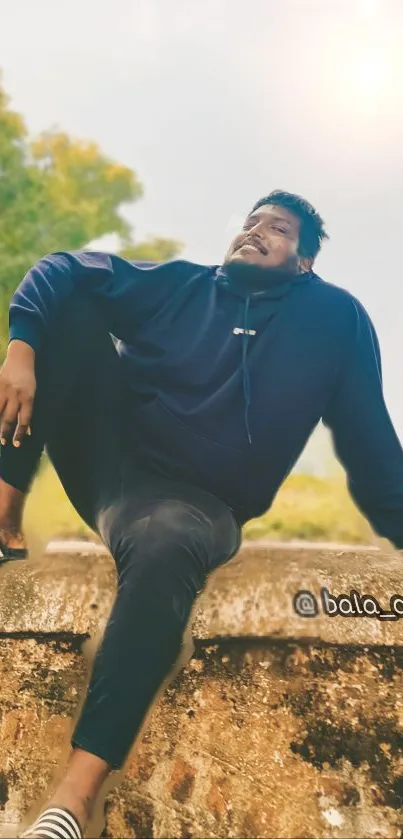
277,726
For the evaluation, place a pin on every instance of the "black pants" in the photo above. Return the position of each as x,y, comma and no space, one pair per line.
165,535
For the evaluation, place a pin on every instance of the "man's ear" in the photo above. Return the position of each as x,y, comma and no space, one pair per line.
305,264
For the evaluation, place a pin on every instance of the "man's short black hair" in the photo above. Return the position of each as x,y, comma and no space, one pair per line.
312,232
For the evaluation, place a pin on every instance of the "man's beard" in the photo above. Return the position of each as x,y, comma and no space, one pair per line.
251,277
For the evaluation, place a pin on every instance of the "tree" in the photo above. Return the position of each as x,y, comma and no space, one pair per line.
154,249
59,193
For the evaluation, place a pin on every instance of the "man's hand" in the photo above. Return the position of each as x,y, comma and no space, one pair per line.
17,392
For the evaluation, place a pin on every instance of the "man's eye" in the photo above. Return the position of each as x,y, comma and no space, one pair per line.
280,229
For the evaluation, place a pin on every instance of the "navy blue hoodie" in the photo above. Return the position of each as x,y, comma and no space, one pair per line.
227,385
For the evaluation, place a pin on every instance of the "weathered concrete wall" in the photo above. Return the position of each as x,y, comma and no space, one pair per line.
279,726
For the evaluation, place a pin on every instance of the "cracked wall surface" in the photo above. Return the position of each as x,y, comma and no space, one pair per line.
276,727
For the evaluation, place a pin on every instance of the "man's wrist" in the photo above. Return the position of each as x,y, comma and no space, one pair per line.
20,349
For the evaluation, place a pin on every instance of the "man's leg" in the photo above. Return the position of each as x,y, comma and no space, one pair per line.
78,413
78,407
165,539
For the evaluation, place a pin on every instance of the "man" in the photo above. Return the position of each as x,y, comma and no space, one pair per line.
174,432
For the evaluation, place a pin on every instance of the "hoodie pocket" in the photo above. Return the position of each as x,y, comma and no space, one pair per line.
178,449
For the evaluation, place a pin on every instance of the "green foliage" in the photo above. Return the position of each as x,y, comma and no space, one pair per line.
154,249
59,193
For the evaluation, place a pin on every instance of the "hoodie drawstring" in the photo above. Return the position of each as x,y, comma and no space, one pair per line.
245,371
272,298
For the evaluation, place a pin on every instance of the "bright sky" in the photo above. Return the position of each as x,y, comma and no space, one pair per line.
216,102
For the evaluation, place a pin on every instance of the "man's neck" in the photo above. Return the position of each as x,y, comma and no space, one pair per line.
254,279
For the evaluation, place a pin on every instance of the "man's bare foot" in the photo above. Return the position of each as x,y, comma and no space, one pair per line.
54,821
66,796
12,539
79,789
12,503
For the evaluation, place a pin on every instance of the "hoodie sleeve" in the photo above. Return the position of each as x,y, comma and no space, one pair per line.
126,293
364,437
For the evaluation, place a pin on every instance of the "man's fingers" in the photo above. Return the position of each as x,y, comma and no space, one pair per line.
9,420
23,426
3,402
6,433
19,435
7,428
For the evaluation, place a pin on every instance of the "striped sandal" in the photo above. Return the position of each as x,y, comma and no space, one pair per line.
54,823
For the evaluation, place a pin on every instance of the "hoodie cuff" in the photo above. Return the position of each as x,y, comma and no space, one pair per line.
23,330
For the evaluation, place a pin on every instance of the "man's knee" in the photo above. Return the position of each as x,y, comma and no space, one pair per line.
171,528
209,530
179,522
159,523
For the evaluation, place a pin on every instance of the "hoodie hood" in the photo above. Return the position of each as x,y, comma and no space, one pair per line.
275,292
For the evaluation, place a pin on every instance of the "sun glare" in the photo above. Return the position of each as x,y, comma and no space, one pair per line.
368,82
370,75
365,78
369,8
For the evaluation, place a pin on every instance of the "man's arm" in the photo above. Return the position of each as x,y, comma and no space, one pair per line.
125,292
364,437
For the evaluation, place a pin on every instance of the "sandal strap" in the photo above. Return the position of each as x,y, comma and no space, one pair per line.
12,553
55,823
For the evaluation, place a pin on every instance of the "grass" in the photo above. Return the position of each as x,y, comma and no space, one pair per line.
314,509
306,507
49,514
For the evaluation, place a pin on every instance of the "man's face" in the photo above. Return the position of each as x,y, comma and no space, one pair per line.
269,239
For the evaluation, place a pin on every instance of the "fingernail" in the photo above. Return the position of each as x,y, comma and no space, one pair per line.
29,431
17,444
3,441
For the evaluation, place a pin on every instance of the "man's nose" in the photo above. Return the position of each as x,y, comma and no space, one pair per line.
257,230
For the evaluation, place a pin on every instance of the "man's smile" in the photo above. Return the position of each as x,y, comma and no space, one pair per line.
255,245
